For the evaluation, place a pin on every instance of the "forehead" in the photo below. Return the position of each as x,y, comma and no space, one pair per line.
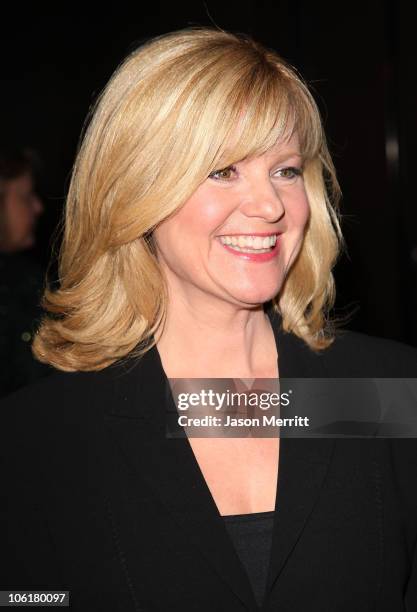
250,138
288,147
283,148
24,182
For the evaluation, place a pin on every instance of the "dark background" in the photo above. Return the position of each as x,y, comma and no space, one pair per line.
359,59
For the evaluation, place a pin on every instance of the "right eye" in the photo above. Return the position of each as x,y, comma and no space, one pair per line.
224,174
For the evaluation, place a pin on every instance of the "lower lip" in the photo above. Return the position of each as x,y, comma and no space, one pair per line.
256,257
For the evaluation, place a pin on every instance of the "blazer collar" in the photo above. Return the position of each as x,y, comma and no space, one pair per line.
146,377
136,420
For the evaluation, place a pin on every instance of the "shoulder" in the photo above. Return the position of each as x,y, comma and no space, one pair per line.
53,387
80,398
357,354
56,420
360,355
62,396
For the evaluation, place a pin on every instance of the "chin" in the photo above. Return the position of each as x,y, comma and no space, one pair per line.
255,297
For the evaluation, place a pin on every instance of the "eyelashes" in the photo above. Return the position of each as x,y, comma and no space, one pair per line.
216,174
293,170
224,174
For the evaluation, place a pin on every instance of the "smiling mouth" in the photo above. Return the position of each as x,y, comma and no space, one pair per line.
246,243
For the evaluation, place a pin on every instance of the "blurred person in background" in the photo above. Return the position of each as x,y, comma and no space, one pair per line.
21,276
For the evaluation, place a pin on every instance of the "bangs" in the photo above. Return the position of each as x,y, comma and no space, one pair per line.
263,108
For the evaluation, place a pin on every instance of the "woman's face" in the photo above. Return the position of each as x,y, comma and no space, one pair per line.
22,207
236,237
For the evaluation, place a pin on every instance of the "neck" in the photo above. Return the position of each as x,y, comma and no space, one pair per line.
220,341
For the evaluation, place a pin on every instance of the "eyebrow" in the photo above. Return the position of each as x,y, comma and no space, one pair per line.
276,158
280,156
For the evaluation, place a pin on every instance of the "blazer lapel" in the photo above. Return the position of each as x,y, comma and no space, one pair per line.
136,420
303,462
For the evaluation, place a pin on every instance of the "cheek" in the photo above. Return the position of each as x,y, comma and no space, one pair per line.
178,240
195,224
204,213
301,212
27,212
15,215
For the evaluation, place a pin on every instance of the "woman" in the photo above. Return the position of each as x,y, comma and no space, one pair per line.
21,275
201,228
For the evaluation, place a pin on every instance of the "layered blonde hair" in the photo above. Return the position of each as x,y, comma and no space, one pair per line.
177,108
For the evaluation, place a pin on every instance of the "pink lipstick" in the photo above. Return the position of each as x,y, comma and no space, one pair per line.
254,256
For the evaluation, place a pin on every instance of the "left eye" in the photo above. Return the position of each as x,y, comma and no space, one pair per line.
289,173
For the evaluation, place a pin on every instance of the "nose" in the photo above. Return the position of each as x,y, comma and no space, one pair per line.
37,205
263,200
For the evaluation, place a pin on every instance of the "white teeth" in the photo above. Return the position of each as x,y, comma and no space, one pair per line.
249,244
257,251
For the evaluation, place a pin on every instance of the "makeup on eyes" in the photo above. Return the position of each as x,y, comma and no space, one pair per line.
295,170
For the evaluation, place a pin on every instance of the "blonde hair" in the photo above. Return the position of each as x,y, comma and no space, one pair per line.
177,108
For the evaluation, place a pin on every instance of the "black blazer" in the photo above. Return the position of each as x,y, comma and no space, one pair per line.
97,501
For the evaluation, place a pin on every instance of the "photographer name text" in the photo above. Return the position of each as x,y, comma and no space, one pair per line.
228,421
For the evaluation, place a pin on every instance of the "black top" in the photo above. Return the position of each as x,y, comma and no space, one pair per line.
96,500
252,537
